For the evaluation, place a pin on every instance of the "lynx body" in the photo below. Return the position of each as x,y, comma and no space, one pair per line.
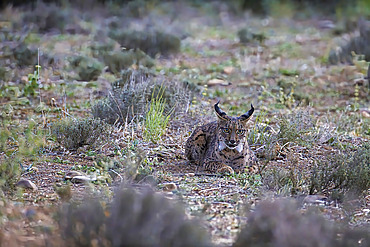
222,146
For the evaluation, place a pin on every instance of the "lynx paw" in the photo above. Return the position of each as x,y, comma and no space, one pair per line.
225,170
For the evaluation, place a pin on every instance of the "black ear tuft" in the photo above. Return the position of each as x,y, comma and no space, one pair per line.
220,114
247,116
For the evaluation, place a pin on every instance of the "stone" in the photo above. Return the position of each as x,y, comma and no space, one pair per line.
82,179
315,199
217,82
169,187
25,183
72,174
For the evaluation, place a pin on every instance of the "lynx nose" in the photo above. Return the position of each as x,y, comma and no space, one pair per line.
232,142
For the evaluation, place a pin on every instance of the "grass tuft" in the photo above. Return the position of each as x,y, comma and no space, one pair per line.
156,121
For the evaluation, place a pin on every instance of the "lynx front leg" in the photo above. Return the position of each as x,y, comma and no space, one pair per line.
219,167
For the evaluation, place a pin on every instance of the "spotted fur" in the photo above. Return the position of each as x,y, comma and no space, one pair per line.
222,146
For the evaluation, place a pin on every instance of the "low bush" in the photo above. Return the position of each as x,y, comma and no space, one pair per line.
247,36
151,42
10,172
47,17
118,61
358,44
132,219
17,143
280,223
342,173
75,133
298,128
132,94
87,68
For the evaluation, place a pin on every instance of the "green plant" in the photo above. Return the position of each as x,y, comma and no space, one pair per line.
10,172
156,121
33,83
347,172
247,36
263,136
278,179
297,127
280,9
17,144
348,122
152,42
118,61
87,68
74,133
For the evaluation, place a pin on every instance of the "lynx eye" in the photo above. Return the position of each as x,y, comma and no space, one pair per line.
226,130
240,132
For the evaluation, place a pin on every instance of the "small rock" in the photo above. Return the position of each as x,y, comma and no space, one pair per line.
315,199
25,183
217,82
82,179
229,70
190,174
72,174
169,187
365,113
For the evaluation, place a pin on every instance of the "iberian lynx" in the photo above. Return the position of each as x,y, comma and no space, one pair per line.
222,146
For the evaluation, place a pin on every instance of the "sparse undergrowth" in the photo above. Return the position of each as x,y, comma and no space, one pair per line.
280,223
151,42
18,144
131,97
75,133
346,172
132,219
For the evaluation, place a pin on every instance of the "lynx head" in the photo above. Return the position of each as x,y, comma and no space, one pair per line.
232,130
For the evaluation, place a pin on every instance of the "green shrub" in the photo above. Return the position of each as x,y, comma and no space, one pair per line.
131,166
47,17
130,97
247,36
75,133
151,42
19,53
10,172
280,223
17,143
263,136
87,68
298,128
342,173
132,219
118,61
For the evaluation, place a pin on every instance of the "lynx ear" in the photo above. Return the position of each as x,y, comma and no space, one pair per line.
220,114
247,116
